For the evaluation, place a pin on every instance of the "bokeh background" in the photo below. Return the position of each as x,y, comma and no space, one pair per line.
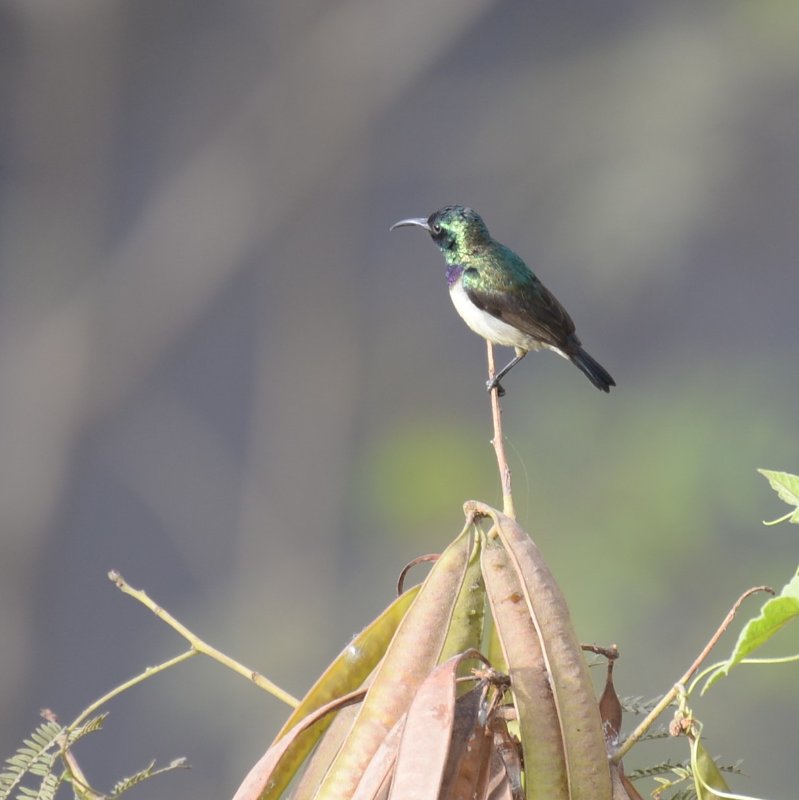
222,376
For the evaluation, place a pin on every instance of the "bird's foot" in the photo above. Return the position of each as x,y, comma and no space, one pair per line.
495,384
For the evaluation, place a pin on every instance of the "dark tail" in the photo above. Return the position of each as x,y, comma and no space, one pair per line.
593,370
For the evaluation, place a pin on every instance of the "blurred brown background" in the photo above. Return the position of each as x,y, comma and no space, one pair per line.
221,375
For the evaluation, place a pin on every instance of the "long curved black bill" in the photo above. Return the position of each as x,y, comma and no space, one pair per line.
419,222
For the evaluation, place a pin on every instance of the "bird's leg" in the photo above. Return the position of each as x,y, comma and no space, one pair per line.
494,382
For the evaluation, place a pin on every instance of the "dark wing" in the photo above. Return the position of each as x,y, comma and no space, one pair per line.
527,305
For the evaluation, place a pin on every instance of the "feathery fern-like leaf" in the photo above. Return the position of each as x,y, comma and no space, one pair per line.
33,756
661,732
148,772
689,793
681,772
640,705
659,769
49,787
94,724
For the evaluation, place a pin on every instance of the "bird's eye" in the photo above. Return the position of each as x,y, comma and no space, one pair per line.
436,227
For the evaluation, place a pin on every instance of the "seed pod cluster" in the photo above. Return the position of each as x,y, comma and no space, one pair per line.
418,711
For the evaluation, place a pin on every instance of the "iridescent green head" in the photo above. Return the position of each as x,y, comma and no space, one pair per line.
455,229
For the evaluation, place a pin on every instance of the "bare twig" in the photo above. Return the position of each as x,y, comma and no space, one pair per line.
721,630
610,653
199,646
678,687
499,442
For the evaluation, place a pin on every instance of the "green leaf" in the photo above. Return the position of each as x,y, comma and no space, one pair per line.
775,613
708,780
33,756
48,787
707,775
787,488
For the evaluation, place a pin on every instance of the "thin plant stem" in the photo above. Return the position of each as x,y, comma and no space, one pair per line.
199,646
123,687
76,774
499,442
679,687
776,660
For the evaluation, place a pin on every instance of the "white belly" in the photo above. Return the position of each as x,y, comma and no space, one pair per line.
491,328
488,326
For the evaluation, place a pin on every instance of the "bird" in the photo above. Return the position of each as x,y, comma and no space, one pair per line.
499,297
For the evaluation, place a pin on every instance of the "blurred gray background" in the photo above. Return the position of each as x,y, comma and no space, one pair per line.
222,376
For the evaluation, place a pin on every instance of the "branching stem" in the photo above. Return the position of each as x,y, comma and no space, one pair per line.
678,687
123,687
198,645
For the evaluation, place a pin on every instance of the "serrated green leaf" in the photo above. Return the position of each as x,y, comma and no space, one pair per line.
774,615
786,486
